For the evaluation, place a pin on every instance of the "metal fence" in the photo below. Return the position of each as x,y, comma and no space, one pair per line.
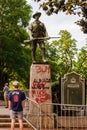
55,116
32,113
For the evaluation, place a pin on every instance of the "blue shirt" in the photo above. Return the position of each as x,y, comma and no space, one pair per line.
16,97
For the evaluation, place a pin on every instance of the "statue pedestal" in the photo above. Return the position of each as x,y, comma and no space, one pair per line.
40,89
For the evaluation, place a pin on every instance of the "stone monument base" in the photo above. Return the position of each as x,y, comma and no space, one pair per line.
40,92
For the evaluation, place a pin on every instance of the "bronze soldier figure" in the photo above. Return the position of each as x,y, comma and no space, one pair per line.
37,30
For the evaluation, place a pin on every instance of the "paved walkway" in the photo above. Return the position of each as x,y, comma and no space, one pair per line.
4,111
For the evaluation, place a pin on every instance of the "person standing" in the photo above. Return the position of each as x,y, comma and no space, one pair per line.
37,30
5,90
16,100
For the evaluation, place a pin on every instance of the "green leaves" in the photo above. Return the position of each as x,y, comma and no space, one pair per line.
81,63
14,58
69,7
62,53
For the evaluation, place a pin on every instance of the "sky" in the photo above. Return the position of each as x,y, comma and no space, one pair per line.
56,22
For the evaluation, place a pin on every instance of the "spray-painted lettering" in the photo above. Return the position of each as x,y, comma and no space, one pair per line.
40,83
43,69
40,96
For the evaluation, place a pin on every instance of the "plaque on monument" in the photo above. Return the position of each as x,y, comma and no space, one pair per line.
73,89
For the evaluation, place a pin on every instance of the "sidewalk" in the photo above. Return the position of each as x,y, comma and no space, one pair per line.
4,111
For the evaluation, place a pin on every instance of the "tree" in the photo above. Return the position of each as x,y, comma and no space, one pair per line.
15,16
74,7
81,63
53,56
61,54
83,21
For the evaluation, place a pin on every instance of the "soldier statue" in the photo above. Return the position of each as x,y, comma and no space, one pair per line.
37,33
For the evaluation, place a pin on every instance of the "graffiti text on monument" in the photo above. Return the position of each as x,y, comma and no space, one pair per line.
40,83
40,95
43,69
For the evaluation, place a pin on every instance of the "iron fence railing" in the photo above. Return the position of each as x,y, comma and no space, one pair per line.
55,116
32,113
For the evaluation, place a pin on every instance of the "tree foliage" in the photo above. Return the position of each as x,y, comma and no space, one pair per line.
64,58
61,54
15,16
15,59
81,63
74,7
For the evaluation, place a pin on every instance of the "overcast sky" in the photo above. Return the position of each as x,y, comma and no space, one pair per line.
60,21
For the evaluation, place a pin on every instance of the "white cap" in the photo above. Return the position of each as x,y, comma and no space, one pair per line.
15,83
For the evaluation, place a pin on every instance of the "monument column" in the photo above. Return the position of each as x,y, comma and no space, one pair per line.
40,86
40,92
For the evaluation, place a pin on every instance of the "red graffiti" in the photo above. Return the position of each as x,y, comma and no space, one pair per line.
40,84
38,93
43,69
40,96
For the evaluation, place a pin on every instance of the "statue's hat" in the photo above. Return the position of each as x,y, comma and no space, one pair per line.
37,14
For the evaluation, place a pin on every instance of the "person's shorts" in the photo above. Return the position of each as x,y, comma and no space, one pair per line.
14,115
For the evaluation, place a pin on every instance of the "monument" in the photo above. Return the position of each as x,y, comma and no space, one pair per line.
40,76
40,73
37,33
73,89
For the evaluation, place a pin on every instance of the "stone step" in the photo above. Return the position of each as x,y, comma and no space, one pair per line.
4,116
16,129
7,120
8,124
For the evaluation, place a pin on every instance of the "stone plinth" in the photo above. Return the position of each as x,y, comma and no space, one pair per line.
40,86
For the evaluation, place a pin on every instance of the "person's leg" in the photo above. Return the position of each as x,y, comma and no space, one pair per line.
12,124
20,119
13,117
5,100
21,124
